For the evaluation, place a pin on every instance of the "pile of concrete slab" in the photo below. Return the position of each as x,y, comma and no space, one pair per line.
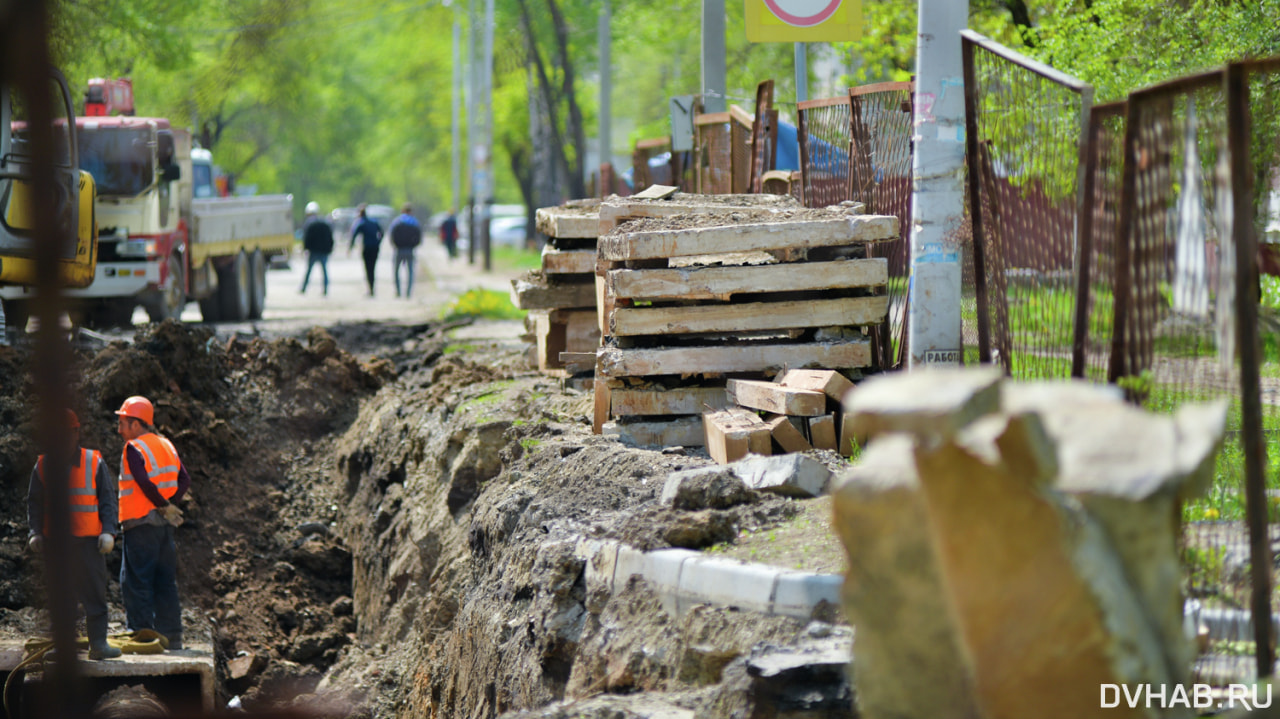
696,290
561,296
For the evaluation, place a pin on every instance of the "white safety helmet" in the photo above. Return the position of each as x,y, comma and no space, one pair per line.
313,208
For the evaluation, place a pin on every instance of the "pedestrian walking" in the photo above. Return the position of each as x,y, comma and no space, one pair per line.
152,480
317,240
449,234
92,495
406,235
370,234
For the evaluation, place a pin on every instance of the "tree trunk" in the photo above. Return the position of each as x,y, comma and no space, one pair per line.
574,129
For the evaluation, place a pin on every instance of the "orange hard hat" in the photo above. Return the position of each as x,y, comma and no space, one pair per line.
139,408
73,422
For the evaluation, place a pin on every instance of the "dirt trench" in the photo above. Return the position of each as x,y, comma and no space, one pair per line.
390,533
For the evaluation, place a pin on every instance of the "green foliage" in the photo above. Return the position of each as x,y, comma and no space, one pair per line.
482,303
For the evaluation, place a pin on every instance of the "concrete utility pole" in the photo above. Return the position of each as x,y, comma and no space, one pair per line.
455,159
802,72
606,90
486,184
714,83
937,181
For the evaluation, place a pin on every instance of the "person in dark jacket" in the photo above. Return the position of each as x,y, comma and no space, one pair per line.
406,235
370,234
449,235
317,240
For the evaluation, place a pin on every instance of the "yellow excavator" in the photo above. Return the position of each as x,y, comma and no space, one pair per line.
76,223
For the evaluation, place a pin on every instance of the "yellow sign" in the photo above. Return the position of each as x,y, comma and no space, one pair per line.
804,20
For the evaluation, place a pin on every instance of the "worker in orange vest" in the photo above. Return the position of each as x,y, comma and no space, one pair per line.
152,480
92,495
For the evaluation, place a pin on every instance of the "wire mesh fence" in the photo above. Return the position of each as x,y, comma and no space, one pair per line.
823,127
1104,160
1026,125
647,167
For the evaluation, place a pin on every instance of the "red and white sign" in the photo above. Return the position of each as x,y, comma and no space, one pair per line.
803,13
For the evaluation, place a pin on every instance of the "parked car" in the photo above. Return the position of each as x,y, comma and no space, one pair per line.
508,231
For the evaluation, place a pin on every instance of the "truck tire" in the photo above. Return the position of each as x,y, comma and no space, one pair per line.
211,308
168,303
233,288
258,280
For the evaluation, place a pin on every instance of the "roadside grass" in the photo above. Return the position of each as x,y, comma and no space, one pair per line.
515,259
482,304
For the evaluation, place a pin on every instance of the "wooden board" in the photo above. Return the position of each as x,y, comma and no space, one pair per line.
600,407
567,223
775,398
615,211
681,432
582,333
749,317
642,362
550,339
787,435
534,292
567,262
830,382
822,431
720,283
655,192
733,433
681,400
835,232
578,362
847,437
560,331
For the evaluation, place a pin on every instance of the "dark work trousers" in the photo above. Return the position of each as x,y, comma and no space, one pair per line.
370,261
149,581
313,259
89,570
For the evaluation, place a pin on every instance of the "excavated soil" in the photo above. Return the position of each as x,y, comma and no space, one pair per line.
382,524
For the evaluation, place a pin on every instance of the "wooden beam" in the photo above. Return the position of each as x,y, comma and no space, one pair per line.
786,434
775,398
615,211
550,337
835,232
719,283
680,432
600,407
822,430
534,292
567,262
578,362
733,433
847,438
830,382
681,400
840,312
643,362
568,223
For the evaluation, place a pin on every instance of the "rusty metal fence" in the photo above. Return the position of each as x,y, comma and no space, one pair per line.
722,149
1025,130
643,173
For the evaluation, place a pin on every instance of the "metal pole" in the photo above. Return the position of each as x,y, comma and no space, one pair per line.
470,93
802,72
486,184
937,174
606,90
456,161
714,83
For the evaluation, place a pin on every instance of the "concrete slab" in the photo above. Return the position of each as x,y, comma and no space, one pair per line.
727,583
799,593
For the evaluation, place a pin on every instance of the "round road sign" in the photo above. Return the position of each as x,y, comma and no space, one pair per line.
802,13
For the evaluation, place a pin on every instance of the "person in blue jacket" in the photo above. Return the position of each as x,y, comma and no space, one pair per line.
406,235
370,234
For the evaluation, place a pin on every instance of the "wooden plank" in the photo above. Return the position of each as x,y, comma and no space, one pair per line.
750,317
680,400
656,192
681,432
578,362
775,398
615,211
830,382
787,435
733,433
534,292
835,232
642,362
567,223
719,283
567,262
600,407
822,431
550,337
582,333
847,438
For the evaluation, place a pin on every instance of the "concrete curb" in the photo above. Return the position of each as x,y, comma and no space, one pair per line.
684,579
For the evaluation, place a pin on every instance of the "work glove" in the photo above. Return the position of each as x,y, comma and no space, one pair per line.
36,543
106,543
172,514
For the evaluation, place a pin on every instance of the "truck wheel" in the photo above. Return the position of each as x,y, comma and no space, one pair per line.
233,287
258,290
168,303
211,308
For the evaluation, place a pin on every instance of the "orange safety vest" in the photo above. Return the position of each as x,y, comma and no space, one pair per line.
83,492
162,469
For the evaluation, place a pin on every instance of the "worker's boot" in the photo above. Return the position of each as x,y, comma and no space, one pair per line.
96,627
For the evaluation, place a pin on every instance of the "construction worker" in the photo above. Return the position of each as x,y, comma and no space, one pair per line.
92,495
152,479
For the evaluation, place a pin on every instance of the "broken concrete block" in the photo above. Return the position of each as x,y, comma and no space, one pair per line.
935,401
733,433
800,594
795,475
705,488
911,660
